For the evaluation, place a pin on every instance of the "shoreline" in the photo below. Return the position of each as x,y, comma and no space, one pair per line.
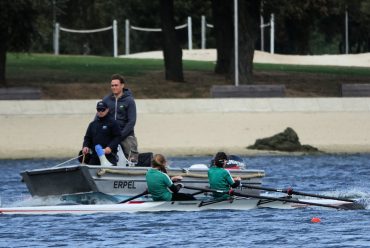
250,155
189,127
69,154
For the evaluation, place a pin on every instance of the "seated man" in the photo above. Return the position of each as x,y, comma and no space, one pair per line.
219,178
159,182
102,131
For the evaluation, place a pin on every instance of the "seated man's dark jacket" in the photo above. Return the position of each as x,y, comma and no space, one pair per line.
105,132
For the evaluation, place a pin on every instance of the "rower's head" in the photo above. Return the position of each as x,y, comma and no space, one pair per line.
159,161
220,159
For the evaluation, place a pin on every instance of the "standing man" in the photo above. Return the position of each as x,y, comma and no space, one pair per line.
122,108
102,131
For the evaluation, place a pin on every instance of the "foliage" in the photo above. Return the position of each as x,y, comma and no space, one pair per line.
302,26
297,21
17,27
92,14
15,31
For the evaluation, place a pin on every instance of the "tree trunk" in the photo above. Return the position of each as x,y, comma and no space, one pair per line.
249,11
223,26
2,66
172,51
3,49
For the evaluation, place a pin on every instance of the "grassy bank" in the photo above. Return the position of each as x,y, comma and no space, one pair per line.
67,69
87,76
329,70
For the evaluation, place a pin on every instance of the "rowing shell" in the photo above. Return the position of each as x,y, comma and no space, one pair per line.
151,206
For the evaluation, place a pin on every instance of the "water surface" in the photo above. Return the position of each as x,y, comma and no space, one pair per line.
347,176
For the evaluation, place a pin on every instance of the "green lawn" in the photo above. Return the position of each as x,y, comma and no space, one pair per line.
50,68
333,70
46,68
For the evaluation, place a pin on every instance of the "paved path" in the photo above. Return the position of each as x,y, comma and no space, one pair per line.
51,128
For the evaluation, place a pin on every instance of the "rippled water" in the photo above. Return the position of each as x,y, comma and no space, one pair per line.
327,174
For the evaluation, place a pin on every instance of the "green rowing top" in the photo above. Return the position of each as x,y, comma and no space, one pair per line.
219,179
158,184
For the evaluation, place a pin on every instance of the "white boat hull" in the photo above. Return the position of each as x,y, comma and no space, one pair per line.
150,206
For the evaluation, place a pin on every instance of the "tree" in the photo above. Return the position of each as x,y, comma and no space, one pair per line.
223,25
17,21
172,51
223,14
248,32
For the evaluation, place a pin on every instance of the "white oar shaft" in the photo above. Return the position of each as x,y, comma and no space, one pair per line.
69,160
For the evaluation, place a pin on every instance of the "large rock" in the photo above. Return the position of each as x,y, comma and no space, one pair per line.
287,141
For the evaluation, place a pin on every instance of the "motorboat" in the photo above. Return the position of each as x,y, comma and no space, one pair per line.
88,184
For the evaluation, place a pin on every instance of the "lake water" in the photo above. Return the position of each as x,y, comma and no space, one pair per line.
334,175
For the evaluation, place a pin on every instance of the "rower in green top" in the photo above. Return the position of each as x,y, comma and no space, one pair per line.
219,178
161,186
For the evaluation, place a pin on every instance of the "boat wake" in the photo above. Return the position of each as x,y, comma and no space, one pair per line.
32,201
358,194
353,193
85,199
361,197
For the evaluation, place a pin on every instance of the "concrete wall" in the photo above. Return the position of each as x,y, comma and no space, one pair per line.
152,106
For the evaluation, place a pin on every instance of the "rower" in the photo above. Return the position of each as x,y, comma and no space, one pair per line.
219,178
159,182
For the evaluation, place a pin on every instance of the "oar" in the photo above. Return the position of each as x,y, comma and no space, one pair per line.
344,206
134,197
197,193
352,204
69,160
290,191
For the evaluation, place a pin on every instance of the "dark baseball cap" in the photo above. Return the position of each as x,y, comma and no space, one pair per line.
101,105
